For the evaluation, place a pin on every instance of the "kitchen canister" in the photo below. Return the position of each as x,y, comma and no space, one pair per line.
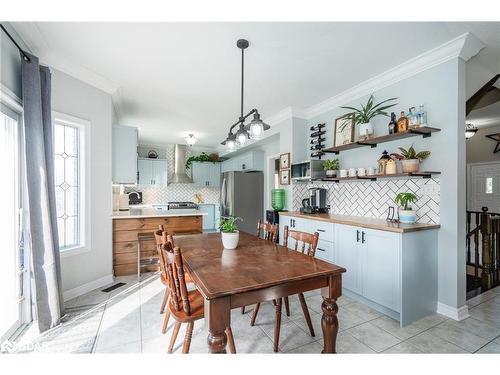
361,172
343,173
352,172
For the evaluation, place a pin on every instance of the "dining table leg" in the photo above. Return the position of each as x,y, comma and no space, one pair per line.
329,321
218,317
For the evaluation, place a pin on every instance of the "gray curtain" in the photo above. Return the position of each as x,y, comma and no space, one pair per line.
46,266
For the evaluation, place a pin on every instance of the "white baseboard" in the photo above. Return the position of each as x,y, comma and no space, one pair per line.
454,313
88,287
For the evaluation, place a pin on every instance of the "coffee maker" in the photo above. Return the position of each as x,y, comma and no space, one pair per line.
316,203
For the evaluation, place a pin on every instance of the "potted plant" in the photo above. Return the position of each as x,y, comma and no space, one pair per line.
407,214
410,159
331,167
229,232
363,116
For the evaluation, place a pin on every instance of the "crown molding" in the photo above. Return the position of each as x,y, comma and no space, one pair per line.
32,37
464,46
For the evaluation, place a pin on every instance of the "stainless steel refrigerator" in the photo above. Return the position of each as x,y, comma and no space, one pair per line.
242,195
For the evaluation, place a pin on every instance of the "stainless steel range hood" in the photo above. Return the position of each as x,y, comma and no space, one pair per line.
180,176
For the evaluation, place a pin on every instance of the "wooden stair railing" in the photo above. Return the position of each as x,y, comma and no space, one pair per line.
486,237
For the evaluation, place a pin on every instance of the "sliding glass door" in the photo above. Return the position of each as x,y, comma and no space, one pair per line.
12,270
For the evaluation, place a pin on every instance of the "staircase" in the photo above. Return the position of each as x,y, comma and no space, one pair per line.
483,251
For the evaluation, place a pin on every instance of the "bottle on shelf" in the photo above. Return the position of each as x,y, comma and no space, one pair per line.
422,116
412,118
393,126
402,123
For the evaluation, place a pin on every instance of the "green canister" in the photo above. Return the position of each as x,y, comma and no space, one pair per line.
278,199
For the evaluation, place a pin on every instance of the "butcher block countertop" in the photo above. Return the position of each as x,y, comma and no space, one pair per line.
137,213
363,222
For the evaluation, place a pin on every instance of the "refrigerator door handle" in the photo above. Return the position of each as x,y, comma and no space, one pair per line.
224,196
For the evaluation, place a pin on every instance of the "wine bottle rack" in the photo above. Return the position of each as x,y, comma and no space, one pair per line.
318,139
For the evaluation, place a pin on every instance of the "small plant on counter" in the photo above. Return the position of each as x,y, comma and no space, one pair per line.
410,159
229,232
363,116
203,157
331,167
406,213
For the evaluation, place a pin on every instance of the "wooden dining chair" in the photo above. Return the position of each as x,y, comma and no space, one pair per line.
161,237
184,306
268,232
305,243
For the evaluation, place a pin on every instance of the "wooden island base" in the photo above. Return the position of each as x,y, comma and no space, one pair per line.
125,233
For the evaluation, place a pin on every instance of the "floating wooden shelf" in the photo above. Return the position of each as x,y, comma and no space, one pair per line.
373,142
377,176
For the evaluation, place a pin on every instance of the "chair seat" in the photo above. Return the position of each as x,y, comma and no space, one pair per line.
164,279
196,301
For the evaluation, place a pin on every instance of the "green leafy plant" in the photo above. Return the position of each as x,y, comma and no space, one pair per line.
203,157
369,111
405,199
331,164
411,153
228,224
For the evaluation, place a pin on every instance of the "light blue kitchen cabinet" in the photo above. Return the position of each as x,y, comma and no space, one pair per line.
380,268
124,154
348,255
228,165
209,218
206,174
248,161
152,172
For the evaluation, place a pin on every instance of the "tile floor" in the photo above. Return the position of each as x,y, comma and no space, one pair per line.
127,320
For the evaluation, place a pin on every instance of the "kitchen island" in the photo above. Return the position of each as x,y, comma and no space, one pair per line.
127,225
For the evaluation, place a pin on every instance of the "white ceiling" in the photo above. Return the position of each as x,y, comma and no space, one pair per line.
171,79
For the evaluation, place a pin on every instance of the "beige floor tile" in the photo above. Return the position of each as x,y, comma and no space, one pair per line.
131,347
403,348
459,337
393,327
374,337
484,330
312,348
347,344
491,348
430,344
291,336
364,312
430,321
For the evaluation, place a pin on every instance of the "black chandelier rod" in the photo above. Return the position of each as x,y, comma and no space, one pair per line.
242,119
25,56
242,80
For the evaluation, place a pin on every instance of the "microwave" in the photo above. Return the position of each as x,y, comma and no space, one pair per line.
308,170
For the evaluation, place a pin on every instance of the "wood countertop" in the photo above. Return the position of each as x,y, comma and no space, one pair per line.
138,213
364,222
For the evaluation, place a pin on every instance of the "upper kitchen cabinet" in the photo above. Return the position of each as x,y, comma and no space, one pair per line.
206,173
152,172
124,154
249,161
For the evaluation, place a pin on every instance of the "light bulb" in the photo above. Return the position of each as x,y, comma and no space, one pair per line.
256,130
230,144
190,139
241,138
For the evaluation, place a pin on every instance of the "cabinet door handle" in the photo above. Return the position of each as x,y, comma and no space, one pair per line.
320,249
357,235
363,237
320,230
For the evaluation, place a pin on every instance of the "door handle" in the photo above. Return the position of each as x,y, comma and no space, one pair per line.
363,235
357,235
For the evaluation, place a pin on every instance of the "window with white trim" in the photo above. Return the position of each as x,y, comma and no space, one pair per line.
69,176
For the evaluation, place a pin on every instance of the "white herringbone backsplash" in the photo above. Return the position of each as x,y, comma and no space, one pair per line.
173,192
373,198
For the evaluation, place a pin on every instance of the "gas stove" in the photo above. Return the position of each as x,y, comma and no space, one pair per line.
182,205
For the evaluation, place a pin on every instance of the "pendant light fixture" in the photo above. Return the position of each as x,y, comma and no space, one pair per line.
191,139
470,131
256,127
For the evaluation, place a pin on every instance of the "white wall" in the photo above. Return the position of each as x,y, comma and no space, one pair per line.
76,98
480,148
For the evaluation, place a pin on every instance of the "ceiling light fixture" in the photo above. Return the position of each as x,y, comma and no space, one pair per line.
191,139
470,131
256,128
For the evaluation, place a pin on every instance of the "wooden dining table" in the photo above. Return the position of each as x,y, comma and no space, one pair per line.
257,270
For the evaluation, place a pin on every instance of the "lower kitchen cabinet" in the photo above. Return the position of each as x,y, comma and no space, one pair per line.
209,218
347,254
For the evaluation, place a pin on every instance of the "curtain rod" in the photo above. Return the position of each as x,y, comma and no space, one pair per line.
25,56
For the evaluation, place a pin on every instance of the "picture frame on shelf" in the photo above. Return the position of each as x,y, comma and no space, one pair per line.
285,161
343,131
284,177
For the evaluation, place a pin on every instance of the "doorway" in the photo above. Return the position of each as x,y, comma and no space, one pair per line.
483,186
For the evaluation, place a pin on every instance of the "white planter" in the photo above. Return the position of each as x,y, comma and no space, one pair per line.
230,240
410,165
331,173
365,130
407,216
